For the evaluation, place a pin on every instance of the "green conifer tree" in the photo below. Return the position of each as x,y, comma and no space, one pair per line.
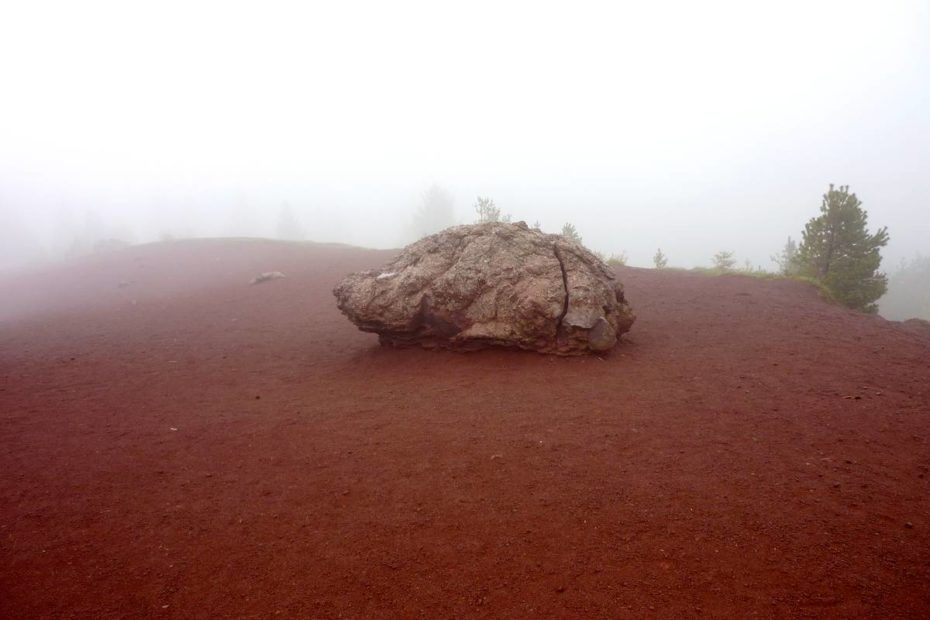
837,249
569,230
660,260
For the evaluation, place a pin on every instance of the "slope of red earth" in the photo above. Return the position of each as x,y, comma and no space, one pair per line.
175,443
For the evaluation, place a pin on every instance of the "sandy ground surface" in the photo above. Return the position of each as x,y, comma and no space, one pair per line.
175,443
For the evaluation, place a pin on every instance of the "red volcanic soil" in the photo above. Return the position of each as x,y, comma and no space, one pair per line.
175,443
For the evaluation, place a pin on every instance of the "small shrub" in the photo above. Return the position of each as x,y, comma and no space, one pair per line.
724,261
617,260
487,211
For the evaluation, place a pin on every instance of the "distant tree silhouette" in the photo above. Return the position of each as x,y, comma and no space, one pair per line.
487,211
289,227
568,230
660,260
788,261
908,295
92,230
838,250
436,212
724,261
18,245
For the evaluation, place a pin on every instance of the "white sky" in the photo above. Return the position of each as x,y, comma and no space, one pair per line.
694,126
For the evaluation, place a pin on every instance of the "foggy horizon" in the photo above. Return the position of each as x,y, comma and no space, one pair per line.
215,404
691,129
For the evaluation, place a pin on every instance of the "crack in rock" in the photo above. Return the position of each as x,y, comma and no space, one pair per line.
558,257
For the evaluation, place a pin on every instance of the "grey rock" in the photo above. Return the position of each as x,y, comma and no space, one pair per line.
267,276
493,284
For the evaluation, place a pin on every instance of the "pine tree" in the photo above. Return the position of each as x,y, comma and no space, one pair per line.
568,230
660,260
787,260
837,249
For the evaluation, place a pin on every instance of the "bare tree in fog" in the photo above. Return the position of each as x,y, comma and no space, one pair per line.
289,227
436,212
724,261
487,211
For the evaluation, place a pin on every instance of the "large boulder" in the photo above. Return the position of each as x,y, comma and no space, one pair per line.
493,284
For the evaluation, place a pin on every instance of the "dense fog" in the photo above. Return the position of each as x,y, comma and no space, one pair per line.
691,127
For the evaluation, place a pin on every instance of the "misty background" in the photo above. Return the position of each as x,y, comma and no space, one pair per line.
694,127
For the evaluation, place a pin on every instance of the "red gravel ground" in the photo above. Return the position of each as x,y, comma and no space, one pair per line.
175,443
